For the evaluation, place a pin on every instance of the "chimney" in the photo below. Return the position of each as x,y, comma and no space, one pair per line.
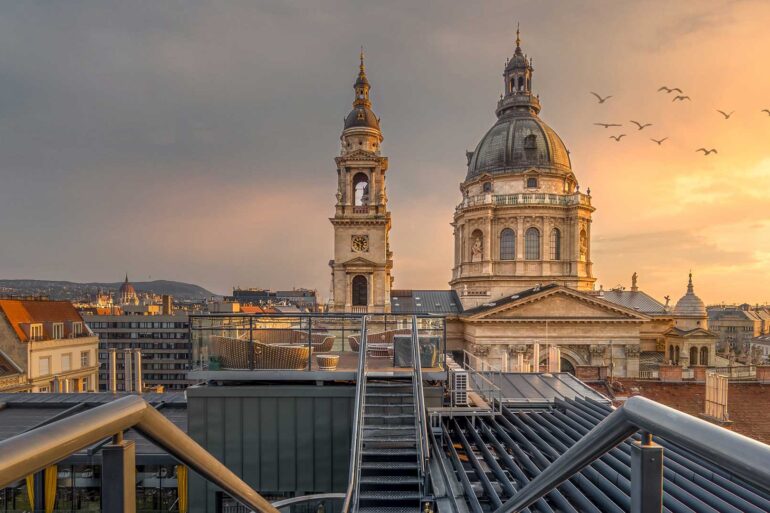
138,369
127,374
112,372
716,397
168,305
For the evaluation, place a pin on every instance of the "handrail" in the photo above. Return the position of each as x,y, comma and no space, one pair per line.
351,495
448,489
738,454
292,501
420,398
35,450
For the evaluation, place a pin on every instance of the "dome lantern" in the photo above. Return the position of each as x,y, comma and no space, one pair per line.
362,115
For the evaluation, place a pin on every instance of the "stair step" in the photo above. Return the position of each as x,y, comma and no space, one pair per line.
389,451
396,480
389,509
388,416
388,394
390,495
389,465
377,427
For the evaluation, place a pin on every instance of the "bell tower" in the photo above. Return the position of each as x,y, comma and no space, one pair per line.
361,269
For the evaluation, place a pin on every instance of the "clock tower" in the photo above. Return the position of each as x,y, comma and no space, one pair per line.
361,269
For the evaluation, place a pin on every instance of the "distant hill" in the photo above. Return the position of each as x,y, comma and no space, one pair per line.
71,290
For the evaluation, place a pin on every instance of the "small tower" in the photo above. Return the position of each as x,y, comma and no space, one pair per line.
361,269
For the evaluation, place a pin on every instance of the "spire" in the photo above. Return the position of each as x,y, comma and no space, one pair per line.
362,84
689,284
126,278
518,39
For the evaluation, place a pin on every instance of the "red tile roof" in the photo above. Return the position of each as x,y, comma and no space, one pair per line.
748,403
23,311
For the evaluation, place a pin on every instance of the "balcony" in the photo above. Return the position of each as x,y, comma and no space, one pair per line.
308,346
527,198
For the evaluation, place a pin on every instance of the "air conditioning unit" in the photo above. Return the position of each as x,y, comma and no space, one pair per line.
458,380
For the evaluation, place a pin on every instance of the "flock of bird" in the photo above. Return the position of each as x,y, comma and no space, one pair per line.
680,97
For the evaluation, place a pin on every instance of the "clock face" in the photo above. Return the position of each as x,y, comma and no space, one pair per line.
360,243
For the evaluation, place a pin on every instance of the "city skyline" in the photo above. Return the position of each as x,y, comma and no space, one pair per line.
181,145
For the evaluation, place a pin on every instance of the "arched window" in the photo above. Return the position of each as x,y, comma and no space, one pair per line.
532,244
676,354
513,85
555,244
671,354
531,182
583,245
693,356
704,355
477,246
361,189
521,83
360,291
507,244
530,142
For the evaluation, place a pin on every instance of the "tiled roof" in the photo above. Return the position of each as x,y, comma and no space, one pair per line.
720,313
22,311
510,299
635,300
444,302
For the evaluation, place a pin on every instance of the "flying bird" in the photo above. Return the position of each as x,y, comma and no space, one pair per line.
706,152
617,137
725,114
640,125
659,141
766,110
670,89
607,125
680,98
601,100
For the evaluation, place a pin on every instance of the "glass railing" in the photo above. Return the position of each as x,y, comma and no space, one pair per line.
312,342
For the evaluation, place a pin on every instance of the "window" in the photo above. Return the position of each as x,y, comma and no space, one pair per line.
66,362
360,291
361,189
77,329
84,382
58,330
532,244
555,244
531,182
36,331
85,358
530,142
44,366
487,187
507,244
704,355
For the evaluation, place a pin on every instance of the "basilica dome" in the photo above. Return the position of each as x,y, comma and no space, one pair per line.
362,116
690,305
519,141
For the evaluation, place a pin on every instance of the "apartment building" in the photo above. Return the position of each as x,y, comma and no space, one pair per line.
46,347
158,332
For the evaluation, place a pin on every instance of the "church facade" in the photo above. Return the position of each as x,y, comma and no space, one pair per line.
522,280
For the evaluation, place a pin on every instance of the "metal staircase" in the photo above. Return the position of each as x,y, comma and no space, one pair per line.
390,446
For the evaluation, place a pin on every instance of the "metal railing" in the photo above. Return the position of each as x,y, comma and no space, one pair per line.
741,456
419,397
351,495
480,378
34,450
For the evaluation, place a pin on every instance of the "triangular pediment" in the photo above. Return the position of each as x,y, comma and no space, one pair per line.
557,303
697,332
360,262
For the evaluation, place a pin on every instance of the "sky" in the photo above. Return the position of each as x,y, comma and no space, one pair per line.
195,140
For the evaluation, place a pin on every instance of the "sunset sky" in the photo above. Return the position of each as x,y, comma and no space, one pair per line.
194,140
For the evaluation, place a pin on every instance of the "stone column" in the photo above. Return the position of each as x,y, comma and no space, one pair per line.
632,360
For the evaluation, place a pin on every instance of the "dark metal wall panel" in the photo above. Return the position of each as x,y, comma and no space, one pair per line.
342,420
287,443
305,443
268,444
322,443
251,436
233,442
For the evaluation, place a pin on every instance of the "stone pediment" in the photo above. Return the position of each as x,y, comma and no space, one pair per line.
697,332
360,262
558,303
360,155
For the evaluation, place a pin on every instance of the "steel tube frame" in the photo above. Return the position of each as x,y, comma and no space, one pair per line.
351,498
35,450
740,455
